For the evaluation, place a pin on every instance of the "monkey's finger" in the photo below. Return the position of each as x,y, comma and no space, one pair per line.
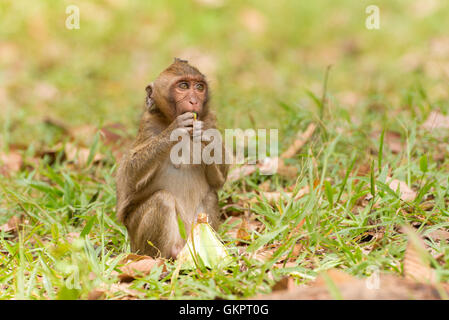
186,115
187,123
185,131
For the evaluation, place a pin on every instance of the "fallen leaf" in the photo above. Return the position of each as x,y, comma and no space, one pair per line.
390,288
286,283
300,141
296,250
436,120
10,162
392,139
12,225
116,288
80,155
302,192
115,136
112,133
406,194
242,232
264,254
416,259
96,294
275,196
265,186
287,171
83,135
438,235
136,266
241,172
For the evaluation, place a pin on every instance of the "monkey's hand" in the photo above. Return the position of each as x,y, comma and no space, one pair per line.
183,122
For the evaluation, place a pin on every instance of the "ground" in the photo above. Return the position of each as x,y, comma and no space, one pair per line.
376,162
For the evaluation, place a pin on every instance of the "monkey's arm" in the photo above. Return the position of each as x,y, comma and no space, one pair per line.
216,173
152,147
144,158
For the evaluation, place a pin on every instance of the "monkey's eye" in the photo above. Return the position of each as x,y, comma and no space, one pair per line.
183,85
199,86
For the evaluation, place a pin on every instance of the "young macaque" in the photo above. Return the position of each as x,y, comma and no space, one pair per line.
152,192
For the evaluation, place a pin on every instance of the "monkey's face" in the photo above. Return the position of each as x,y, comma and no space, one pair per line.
178,89
189,94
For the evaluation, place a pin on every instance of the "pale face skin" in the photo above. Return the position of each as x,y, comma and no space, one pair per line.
189,95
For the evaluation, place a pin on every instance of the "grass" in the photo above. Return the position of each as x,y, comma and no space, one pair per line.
266,61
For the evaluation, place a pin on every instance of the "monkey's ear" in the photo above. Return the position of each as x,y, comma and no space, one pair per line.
149,100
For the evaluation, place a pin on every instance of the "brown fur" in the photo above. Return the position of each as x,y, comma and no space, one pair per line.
151,191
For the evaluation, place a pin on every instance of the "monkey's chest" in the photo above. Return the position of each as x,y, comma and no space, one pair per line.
187,183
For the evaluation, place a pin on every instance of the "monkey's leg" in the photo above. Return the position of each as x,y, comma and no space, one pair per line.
210,206
157,224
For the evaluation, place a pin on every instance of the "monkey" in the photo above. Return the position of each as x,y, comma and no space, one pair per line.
152,192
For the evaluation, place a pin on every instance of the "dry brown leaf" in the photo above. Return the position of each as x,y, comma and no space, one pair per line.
275,196
12,225
83,135
264,254
121,288
80,155
115,136
233,231
241,172
336,276
363,170
438,235
242,232
392,139
10,162
296,250
406,194
113,133
286,283
300,141
265,186
137,266
287,171
436,120
351,288
416,259
302,192
96,294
